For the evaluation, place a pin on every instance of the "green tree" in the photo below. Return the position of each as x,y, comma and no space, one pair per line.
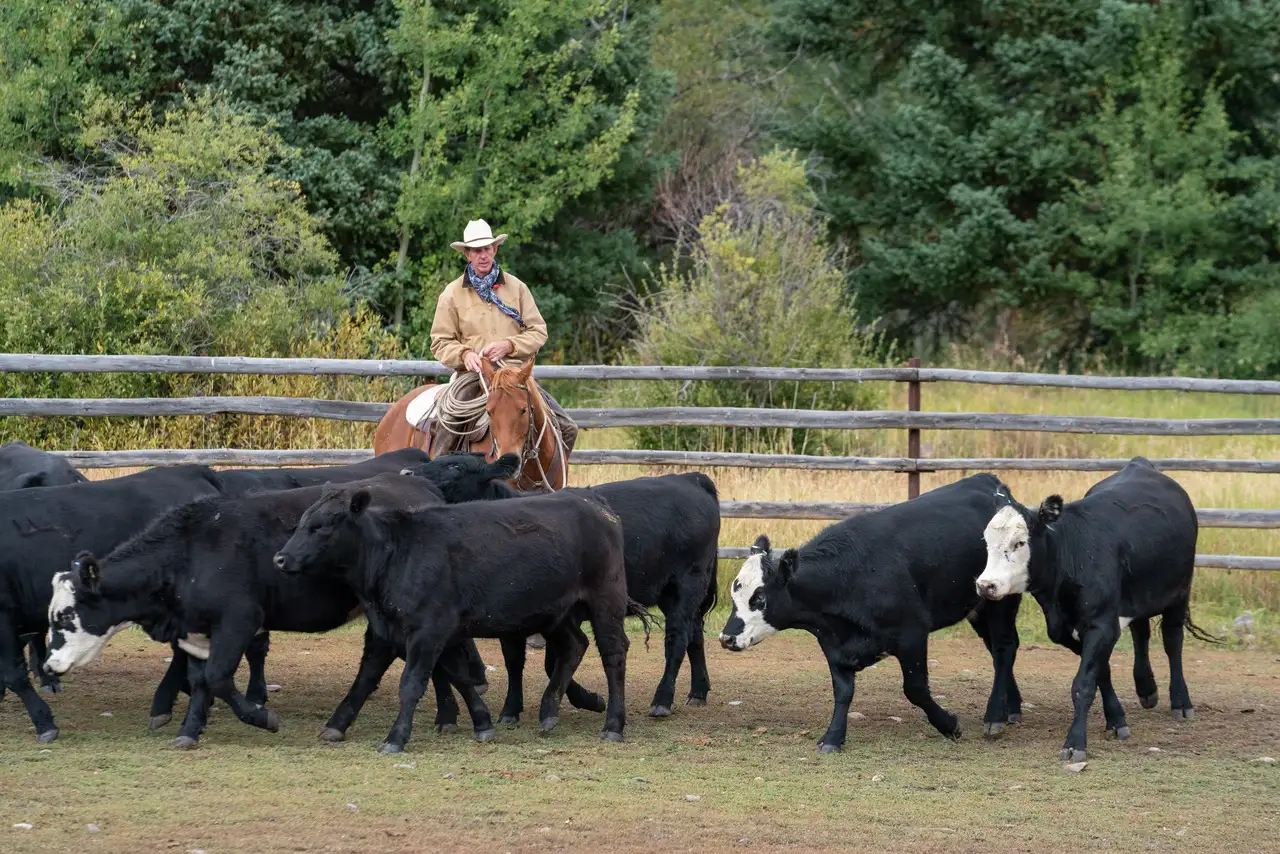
765,289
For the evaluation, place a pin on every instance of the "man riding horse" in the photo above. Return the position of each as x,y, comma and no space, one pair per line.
487,313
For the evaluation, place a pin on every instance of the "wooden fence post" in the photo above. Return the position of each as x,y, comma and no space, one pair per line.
913,434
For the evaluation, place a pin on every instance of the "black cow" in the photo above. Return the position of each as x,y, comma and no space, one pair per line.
243,481
878,584
43,531
203,577
1122,554
671,527
25,467
430,576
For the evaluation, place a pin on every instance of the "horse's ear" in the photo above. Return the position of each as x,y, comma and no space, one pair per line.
526,370
486,371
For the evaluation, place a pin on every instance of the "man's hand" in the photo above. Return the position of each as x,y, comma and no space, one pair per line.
497,351
471,361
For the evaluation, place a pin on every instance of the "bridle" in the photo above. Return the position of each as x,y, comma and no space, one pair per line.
533,445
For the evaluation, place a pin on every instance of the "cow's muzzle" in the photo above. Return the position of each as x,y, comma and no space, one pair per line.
987,589
732,643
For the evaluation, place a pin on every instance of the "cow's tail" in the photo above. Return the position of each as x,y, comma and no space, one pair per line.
640,612
1199,633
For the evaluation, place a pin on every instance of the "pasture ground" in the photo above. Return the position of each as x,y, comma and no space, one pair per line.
760,783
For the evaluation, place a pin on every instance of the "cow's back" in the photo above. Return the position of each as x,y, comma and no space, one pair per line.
923,553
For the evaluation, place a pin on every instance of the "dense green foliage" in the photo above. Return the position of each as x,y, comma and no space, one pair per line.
1080,179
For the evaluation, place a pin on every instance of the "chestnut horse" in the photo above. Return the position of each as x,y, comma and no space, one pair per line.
519,423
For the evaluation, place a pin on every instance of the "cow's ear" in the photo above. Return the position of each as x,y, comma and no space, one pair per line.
504,467
90,572
360,501
1051,509
787,565
760,546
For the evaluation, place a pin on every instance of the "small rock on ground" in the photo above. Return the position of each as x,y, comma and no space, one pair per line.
1076,767
692,798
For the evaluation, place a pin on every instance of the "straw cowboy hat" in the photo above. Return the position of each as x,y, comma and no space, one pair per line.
476,235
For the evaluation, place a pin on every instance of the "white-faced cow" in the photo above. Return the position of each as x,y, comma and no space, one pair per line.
25,467
1122,554
203,577
44,530
431,576
671,528
878,584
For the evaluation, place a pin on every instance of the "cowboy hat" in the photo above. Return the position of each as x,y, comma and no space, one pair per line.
476,235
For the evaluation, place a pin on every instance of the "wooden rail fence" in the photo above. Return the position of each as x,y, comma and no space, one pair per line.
913,420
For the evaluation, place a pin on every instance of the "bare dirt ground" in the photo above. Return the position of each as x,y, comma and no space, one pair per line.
741,774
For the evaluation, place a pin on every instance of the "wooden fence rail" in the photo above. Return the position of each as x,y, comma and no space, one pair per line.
1204,561
705,459
670,416
55,363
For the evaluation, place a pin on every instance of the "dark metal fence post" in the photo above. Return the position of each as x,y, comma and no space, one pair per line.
913,434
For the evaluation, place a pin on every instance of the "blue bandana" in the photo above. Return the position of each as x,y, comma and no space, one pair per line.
483,286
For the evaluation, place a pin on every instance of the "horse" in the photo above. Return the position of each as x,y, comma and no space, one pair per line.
519,423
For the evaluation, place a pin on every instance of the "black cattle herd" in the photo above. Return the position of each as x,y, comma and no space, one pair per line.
437,552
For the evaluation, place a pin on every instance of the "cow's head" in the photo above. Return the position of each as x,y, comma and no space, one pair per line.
761,578
80,622
1010,538
468,477
328,532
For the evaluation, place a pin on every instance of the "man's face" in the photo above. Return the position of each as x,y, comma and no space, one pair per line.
482,259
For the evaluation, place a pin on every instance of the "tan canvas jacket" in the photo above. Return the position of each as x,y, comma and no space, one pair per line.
465,322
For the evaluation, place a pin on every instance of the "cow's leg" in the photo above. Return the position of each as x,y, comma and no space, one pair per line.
422,651
171,684
913,657
513,658
38,653
1144,679
197,718
457,663
565,648
479,677
679,614
227,644
842,679
14,674
1171,627
378,654
1112,709
996,624
446,707
699,679
578,696
608,623
256,655
1095,652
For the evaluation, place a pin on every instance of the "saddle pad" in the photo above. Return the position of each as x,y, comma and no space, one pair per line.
423,405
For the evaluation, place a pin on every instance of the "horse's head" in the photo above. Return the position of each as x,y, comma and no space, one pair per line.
513,398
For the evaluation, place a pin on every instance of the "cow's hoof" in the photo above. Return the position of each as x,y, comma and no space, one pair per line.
1070,754
158,721
47,736
185,742
332,735
510,720
388,747
548,724
446,729
484,736
1015,718
482,689
1184,714
955,734
1150,701
1120,734
55,688
660,712
993,730
272,723
696,701
826,747
610,735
